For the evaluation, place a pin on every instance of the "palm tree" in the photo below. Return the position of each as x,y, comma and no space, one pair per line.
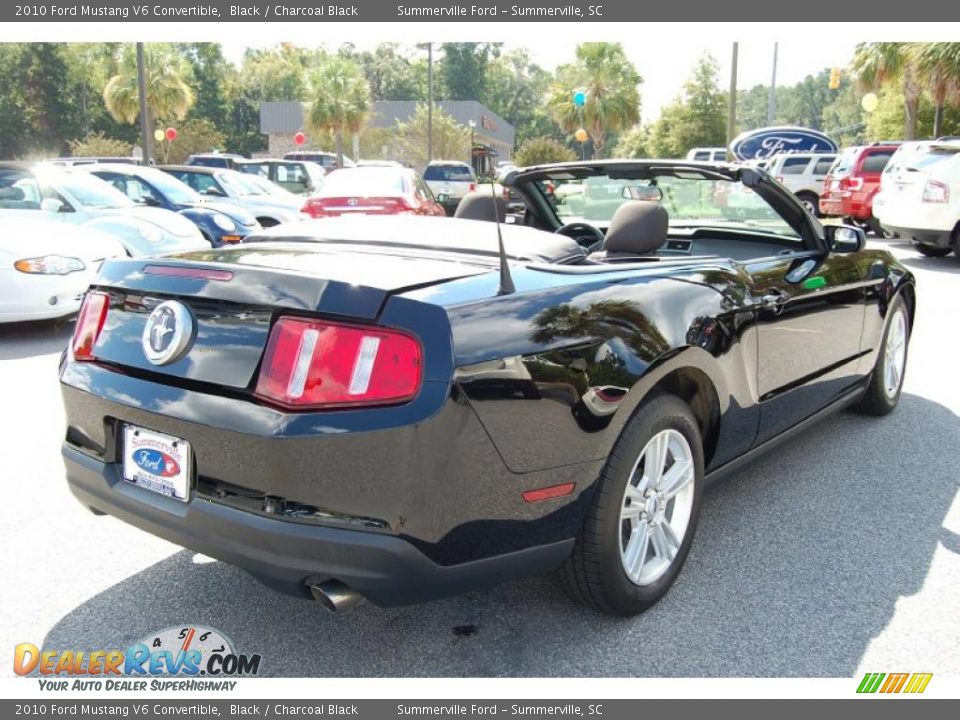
169,97
341,99
609,82
883,64
938,65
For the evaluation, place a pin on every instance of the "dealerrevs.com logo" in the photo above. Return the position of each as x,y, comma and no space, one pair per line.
187,652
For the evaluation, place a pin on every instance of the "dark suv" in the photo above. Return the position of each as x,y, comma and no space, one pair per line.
852,182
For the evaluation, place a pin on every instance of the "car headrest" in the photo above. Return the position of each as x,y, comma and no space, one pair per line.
481,206
12,194
638,227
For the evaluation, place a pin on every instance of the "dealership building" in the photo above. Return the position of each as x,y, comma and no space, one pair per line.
493,137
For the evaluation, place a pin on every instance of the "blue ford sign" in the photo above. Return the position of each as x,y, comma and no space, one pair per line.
767,142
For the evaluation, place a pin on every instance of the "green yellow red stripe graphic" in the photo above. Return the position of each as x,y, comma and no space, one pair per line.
913,683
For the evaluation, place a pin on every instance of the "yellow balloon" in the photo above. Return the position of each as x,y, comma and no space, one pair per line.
869,102
581,135
158,135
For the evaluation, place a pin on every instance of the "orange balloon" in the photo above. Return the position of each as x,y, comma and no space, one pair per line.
581,135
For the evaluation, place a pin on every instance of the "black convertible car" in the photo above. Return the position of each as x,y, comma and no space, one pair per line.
401,408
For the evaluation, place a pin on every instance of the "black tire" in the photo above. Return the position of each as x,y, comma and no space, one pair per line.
876,400
931,250
877,229
811,201
594,574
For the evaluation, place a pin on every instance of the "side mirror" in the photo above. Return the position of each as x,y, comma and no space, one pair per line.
844,238
51,205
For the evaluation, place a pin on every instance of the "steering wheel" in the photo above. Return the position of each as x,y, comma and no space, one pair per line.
586,235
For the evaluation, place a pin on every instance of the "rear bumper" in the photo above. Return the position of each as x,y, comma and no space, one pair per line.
386,569
936,238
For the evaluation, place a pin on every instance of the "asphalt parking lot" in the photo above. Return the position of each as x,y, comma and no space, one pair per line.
837,554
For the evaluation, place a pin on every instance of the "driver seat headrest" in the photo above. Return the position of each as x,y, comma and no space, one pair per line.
482,206
638,227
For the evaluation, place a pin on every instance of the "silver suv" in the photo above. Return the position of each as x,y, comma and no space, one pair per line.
803,174
450,181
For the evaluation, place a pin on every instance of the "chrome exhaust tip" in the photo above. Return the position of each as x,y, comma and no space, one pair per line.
334,596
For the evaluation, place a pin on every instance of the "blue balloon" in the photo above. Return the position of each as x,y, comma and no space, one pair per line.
579,98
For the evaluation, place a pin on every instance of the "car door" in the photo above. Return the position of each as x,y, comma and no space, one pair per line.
810,309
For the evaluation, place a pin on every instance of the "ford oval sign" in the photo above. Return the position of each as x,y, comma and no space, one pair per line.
767,142
157,463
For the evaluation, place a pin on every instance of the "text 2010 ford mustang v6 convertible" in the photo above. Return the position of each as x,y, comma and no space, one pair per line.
405,408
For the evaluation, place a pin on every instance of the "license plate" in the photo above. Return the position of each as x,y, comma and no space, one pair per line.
156,462
442,197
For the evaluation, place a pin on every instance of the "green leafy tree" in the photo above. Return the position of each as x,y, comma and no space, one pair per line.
391,74
196,135
881,65
451,140
537,151
463,70
99,145
341,99
515,88
169,96
938,67
211,75
697,118
634,143
609,81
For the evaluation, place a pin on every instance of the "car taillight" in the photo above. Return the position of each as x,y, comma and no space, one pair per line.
93,313
314,207
313,364
851,183
473,187
936,192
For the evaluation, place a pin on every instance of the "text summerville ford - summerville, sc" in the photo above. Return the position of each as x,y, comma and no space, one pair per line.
293,10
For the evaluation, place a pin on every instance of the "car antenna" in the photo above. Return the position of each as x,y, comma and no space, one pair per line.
506,280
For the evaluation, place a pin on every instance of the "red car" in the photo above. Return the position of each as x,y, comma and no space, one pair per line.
373,191
852,182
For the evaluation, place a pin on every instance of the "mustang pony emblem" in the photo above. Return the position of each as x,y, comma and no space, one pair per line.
168,333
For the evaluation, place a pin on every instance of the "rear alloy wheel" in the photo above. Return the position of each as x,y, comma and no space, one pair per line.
886,380
811,202
640,525
931,250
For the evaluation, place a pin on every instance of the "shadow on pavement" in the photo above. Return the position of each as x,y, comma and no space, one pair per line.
797,566
29,339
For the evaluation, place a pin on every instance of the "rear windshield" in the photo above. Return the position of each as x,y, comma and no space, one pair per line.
876,161
362,182
845,162
448,173
931,158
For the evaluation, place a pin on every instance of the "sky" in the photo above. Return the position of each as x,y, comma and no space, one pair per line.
664,73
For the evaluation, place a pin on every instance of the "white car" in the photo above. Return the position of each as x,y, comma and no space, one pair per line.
803,175
450,182
919,197
75,197
45,267
707,154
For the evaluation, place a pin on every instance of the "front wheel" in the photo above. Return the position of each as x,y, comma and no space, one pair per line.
640,525
811,202
886,380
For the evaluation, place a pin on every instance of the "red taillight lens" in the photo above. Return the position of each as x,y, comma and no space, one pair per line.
851,183
473,187
936,192
318,364
93,313
314,207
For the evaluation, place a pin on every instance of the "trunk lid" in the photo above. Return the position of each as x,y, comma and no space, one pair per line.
233,295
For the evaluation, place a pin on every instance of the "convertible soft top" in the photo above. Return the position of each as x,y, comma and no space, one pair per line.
426,235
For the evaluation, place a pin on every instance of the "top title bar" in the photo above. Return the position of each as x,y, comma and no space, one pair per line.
480,11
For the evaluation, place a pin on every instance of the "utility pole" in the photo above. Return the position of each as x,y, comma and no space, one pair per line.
772,107
429,101
732,104
144,124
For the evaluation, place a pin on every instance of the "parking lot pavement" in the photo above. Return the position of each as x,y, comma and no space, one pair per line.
835,555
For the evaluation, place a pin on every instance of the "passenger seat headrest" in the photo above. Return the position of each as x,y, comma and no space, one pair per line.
638,227
481,206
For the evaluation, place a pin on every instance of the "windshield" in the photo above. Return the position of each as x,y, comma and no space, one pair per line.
89,191
844,163
448,173
176,191
239,184
689,202
362,182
